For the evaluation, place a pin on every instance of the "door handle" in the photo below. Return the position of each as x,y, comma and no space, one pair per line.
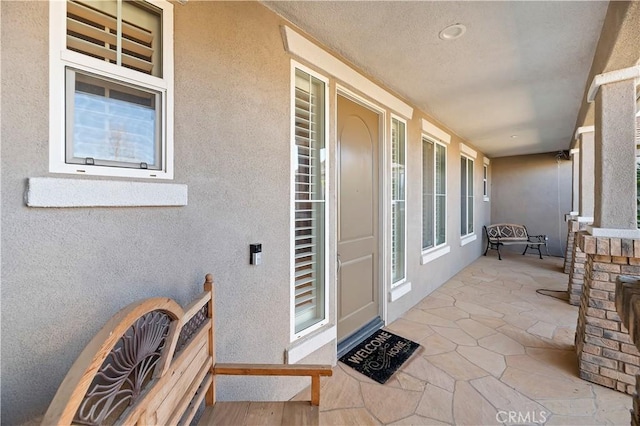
339,264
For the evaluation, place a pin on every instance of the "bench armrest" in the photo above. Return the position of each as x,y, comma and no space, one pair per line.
271,369
537,238
314,371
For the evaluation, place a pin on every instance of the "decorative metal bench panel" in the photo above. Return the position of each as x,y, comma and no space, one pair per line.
506,234
153,363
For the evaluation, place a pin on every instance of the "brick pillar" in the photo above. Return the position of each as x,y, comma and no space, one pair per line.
568,256
628,307
606,354
576,271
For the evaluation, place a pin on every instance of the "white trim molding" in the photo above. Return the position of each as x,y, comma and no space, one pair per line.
433,254
468,151
611,77
585,219
309,346
583,129
467,239
56,192
435,131
301,47
400,290
613,233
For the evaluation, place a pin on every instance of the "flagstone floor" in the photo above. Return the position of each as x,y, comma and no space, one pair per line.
493,352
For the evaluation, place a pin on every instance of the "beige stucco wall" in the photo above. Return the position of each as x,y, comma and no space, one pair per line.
66,271
535,191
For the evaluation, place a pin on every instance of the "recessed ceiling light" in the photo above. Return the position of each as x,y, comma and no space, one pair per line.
513,136
453,32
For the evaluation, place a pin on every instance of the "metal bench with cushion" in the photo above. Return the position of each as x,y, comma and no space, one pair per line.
507,234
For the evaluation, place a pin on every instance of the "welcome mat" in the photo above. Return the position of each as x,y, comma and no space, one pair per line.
380,355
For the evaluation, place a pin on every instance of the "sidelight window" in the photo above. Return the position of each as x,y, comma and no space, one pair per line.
309,215
398,200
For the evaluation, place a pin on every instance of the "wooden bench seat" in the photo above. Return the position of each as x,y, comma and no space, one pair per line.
262,413
506,234
153,363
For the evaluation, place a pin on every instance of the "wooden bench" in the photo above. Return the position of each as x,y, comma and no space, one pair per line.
153,363
506,234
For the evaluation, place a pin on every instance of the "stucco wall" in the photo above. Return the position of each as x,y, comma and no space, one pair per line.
533,190
66,271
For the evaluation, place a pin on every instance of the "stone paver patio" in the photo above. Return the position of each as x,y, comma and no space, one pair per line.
493,352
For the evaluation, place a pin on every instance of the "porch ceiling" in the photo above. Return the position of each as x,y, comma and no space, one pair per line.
520,69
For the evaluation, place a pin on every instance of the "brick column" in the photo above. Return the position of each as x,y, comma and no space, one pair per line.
583,159
606,354
628,307
571,238
578,260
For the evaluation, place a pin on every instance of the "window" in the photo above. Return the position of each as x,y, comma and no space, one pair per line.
309,214
434,194
398,200
466,196
485,182
111,88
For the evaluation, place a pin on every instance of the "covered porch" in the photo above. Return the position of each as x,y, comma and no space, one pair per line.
527,113
493,351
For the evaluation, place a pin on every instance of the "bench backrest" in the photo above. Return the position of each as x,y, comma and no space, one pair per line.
507,232
152,363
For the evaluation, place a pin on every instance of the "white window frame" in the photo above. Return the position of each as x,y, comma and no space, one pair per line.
485,178
438,250
404,266
293,158
60,58
471,236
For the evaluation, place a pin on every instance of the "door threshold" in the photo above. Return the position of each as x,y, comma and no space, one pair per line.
349,342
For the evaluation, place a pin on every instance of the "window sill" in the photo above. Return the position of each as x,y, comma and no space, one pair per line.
308,346
467,239
400,290
56,192
433,254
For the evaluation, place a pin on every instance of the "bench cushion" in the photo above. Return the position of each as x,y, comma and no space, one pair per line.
507,232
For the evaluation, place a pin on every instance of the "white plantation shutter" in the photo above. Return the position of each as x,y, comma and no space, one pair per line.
92,29
398,162
309,201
